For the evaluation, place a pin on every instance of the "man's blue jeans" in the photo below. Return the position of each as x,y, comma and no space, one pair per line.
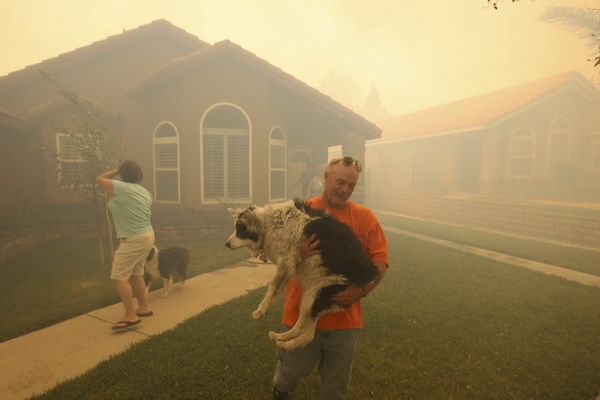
332,350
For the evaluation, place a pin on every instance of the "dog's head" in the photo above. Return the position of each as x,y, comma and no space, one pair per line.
247,229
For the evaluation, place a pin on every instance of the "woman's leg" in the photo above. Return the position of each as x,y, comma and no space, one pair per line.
139,289
125,293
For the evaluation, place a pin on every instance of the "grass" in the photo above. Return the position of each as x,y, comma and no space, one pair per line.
60,279
565,256
566,210
442,325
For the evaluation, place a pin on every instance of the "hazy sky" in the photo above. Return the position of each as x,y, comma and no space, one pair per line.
417,53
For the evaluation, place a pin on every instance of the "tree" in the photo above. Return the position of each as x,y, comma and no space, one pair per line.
341,88
346,91
584,23
494,3
93,140
373,108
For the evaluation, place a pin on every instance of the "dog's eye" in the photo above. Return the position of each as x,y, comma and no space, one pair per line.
242,232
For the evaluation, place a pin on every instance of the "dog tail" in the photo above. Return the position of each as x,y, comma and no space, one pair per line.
151,254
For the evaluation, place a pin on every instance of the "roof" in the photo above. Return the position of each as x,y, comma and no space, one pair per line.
483,111
59,102
200,53
9,119
226,48
100,47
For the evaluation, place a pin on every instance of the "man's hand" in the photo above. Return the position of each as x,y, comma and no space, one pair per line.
308,246
349,296
354,293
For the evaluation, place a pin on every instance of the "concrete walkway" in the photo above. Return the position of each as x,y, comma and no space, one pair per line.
36,362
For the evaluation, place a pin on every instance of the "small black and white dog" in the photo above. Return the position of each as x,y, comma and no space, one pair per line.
275,231
166,264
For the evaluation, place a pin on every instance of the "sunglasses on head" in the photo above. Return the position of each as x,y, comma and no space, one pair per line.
348,161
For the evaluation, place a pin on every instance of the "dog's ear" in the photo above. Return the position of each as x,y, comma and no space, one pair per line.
235,212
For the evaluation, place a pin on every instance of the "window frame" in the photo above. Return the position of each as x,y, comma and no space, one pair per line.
553,132
227,132
532,137
277,143
156,141
61,160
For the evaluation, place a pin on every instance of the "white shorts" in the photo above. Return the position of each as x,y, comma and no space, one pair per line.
131,255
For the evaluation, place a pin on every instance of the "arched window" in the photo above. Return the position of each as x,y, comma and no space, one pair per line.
559,145
225,149
522,151
277,164
166,164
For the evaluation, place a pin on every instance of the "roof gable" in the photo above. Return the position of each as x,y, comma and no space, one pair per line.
10,120
485,110
226,48
102,47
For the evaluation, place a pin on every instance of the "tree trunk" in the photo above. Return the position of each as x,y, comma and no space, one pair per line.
98,227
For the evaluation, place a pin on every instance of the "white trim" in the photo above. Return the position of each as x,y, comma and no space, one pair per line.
60,159
279,143
166,140
250,153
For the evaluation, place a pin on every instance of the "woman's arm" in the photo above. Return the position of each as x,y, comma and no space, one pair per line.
106,181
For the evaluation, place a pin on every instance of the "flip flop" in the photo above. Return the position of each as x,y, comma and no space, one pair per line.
125,324
148,314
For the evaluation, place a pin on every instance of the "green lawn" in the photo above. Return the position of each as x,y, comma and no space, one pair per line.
565,256
442,325
60,279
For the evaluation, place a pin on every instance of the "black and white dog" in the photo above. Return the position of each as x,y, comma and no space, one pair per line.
275,231
166,264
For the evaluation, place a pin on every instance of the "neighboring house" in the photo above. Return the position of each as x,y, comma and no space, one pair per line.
534,138
209,124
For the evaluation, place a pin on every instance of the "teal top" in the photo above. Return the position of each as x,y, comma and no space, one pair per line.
131,209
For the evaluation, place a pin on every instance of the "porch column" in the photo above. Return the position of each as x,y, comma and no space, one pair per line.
354,146
488,174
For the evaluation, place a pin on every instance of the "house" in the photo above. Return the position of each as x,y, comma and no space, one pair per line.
209,124
533,139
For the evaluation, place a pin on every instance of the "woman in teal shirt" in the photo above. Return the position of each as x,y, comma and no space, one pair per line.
130,205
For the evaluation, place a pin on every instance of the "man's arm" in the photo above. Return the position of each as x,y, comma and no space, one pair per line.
354,293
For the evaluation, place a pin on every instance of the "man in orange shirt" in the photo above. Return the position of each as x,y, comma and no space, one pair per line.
337,335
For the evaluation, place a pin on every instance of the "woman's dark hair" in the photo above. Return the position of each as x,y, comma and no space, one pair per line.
131,172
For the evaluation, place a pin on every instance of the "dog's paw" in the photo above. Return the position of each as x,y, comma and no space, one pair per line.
274,336
164,295
287,346
258,314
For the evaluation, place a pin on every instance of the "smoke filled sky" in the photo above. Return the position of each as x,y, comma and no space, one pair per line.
417,53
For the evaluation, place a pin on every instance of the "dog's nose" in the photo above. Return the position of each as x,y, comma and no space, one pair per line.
228,245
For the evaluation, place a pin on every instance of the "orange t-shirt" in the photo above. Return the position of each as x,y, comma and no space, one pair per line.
366,226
